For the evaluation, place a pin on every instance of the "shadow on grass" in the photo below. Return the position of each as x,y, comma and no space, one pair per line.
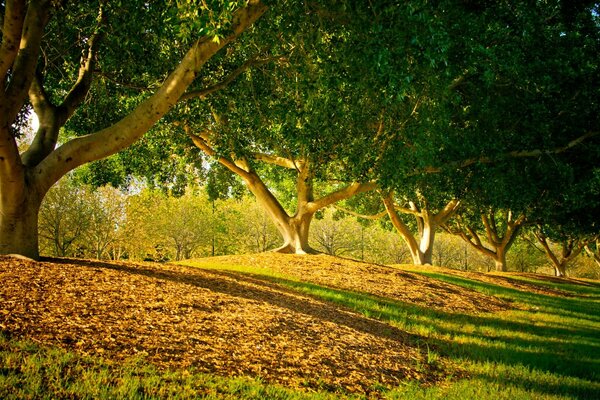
582,308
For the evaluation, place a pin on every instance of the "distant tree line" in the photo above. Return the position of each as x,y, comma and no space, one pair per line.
79,220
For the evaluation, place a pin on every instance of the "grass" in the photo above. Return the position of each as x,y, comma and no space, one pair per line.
547,349
29,371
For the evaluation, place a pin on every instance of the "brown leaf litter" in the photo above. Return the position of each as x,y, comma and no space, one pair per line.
231,323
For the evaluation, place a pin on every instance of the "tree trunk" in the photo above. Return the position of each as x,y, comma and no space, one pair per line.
426,246
19,228
560,270
500,260
295,234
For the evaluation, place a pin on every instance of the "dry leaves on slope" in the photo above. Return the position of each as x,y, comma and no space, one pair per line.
179,317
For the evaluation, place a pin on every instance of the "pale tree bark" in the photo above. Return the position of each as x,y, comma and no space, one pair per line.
496,244
420,245
593,250
26,178
294,229
569,250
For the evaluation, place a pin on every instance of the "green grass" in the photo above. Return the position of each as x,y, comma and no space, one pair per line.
28,371
547,349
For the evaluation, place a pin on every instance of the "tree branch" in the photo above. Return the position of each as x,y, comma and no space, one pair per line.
202,93
202,144
275,160
363,216
341,194
512,154
126,131
23,68
12,27
52,118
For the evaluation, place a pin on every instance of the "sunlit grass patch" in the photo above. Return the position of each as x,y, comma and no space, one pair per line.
31,371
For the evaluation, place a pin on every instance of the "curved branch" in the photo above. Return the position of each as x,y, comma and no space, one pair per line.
23,68
51,117
86,70
202,144
126,131
12,26
202,93
341,194
512,154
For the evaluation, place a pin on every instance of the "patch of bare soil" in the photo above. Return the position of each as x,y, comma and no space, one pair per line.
377,280
180,317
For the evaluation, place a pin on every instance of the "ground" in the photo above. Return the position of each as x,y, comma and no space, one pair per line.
230,322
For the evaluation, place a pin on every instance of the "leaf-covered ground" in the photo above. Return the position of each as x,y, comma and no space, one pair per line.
232,323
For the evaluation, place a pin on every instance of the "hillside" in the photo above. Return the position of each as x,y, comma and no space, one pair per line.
312,323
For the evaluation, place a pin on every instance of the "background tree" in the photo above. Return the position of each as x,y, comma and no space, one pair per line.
65,218
107,219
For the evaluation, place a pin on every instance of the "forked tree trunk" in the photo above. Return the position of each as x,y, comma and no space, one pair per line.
570,249
294,229
295,235
421,251
498,243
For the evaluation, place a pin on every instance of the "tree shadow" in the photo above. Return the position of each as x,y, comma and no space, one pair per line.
258,290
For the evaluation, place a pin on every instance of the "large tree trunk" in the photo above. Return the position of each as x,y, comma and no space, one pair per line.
26,178
295,235
19,228
500,259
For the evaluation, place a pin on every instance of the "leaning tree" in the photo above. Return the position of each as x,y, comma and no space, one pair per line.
51,54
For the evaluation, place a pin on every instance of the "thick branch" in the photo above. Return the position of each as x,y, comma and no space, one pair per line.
344,193
400,226
447,212
126,131
23,68
275,160
52,118
202,93
14,15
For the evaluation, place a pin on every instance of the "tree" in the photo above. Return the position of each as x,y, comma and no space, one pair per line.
562,247
513,122
26,178
501,229
427,222
337,236
65,218
107,218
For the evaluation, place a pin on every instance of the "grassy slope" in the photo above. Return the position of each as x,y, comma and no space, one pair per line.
548,349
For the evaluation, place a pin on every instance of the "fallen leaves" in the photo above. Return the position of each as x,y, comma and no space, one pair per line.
180,317
379,280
